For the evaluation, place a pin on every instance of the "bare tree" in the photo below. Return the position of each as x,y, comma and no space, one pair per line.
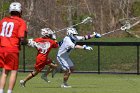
58,14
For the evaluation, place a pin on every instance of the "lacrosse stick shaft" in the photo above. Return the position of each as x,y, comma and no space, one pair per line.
122,28
110,32
69,26
86,20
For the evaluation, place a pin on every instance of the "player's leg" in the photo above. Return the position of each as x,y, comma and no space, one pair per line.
11,65
30,76
12,80
65,63
65,78
3,73
3,78
51,67
45,74
56,69
38,67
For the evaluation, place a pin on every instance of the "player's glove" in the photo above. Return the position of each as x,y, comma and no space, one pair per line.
32,43
87,47
54,35
23,41
97,35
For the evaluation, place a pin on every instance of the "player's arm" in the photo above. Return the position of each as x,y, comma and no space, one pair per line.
32,43
23,40
55,45
94,34
22,32
83,47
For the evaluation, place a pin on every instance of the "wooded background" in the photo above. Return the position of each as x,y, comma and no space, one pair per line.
58,14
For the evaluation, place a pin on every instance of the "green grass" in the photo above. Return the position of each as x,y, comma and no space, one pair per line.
113,58
82,83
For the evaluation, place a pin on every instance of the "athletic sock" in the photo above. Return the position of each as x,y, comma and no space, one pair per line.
1,91
9,91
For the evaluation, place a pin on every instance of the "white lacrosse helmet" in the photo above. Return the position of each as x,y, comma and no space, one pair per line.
71,31
15,6
46,32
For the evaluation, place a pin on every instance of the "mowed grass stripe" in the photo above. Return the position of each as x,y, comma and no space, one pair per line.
82,83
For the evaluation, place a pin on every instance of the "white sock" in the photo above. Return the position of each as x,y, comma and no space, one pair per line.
9,91
1,91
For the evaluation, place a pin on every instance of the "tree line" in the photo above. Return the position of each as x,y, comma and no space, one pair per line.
58,14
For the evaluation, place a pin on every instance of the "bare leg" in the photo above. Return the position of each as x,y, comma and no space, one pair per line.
30,76
67,74
52,66
12,79
3,78
65,79
48,71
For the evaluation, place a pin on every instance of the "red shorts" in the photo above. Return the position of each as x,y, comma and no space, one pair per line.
41,62
9,60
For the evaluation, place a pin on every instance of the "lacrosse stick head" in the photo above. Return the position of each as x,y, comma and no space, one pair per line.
86,20
126,26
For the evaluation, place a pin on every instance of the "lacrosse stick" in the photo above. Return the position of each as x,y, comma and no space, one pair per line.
135,35
125,27
84,21
133,22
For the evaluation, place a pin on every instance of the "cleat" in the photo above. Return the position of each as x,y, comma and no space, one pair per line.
45,78
22,83
65,86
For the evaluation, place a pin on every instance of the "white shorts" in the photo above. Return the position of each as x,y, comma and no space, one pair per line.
65,62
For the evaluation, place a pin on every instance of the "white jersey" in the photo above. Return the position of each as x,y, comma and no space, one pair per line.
68,44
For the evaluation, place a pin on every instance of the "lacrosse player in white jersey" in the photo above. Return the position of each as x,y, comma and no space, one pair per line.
67,44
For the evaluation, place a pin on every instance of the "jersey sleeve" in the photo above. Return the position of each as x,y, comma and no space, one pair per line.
80,38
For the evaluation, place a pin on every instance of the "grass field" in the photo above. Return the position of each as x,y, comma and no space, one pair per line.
113,58
82,83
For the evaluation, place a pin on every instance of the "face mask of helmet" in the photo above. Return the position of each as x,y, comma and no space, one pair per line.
47,32
72,32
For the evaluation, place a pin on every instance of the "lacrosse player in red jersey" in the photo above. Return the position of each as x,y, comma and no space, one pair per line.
67,44
12,32
44,45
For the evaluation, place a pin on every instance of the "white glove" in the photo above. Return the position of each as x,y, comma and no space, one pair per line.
54,35
32,43
87,47
97,35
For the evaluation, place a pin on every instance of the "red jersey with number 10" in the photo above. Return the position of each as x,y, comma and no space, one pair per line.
11,29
